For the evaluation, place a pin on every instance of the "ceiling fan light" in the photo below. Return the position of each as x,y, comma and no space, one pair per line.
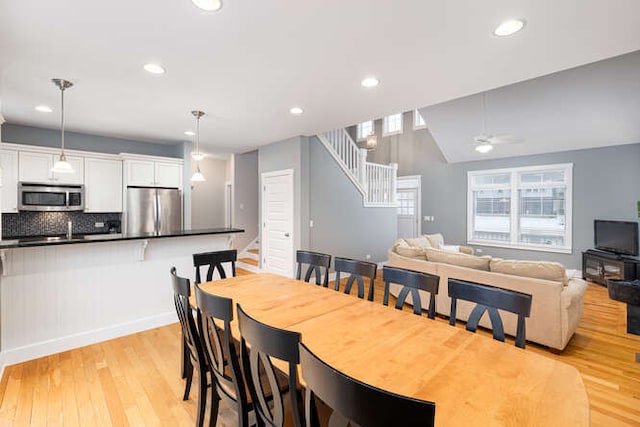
62,166
484,148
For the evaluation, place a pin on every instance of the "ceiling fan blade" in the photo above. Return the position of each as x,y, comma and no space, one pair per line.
505,139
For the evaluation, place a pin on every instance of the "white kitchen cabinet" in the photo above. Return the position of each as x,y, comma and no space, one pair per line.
9,165
103,185
168,174
36,167
149,173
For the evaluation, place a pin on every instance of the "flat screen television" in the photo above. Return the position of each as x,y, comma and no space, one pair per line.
620,237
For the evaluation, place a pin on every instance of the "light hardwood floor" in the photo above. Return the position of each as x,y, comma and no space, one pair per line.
135,380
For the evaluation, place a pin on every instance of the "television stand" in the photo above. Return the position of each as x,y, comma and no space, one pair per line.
598,266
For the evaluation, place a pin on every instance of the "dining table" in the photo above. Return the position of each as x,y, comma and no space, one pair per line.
471,378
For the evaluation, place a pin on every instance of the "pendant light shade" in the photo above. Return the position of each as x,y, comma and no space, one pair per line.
62,165
197,176
372,142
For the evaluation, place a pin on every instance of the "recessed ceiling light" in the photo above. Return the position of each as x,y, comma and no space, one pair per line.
154,68
484,148
509,27
189,133
370,82
44,109
209,5
296,110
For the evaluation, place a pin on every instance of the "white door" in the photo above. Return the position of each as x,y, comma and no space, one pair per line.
277,222
408,197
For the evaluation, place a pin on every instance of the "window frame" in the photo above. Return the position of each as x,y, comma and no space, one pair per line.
514,186
416,125
360,137
385,125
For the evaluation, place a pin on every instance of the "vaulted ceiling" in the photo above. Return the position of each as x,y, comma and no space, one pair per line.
248,63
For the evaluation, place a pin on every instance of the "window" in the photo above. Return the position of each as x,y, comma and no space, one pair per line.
392,124
525,208
418,120
365,129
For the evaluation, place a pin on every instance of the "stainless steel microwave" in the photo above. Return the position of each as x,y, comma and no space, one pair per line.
46,197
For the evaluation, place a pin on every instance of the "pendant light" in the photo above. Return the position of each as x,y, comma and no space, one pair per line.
197,175
372,142
62,165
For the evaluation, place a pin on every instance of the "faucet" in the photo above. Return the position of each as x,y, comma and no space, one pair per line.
69,230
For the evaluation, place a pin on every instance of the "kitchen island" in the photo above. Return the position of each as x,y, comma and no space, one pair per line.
58,293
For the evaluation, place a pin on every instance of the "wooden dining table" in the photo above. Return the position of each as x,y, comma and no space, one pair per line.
473,379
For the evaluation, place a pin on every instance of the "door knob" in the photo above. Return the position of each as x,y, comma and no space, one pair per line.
286,234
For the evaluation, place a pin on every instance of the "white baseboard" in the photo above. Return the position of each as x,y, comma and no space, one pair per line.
46,348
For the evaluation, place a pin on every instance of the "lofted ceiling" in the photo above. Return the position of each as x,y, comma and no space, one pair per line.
248,63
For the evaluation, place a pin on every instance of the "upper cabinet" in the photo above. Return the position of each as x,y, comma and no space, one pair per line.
36,167
103,185
9,165
151,173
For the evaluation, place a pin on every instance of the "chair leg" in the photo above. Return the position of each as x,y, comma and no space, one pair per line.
214,406
188,376
202,394
185,359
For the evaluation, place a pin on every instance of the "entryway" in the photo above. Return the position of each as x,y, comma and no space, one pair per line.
277,240
409,206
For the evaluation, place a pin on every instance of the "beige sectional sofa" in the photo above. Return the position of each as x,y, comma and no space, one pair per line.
556,306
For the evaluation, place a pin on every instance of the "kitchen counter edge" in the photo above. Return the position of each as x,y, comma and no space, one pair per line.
98,238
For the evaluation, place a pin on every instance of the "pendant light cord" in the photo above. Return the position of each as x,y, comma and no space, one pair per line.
62,156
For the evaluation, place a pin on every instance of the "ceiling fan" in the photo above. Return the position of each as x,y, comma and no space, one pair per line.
484,142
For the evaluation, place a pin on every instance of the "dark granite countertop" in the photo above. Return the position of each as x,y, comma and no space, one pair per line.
24,242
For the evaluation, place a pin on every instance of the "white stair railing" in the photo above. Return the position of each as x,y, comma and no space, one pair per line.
376,182
381,184
346,153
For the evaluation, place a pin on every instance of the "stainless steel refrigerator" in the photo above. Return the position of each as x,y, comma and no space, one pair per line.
153,210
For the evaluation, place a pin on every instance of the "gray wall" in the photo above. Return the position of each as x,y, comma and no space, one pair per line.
245,197
29,135
208,198
341,225
605,185
293,154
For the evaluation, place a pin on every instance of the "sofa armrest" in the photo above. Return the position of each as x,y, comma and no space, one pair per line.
571,300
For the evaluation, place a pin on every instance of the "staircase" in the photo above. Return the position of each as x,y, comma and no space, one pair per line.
249,257
376,182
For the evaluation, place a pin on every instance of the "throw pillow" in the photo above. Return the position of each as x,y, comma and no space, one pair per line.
437,240
402,248
459,259
545,270
419,242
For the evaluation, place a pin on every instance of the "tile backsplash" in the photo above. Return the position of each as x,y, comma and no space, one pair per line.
28,224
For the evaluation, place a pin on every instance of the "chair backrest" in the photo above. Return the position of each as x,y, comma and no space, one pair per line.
361,403
490,299
357,271
318,263
215,316
411,282
181,292
214,262
265,342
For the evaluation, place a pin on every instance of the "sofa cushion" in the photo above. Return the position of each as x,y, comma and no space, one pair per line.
401,247
419,242
437,240
545,270
459,259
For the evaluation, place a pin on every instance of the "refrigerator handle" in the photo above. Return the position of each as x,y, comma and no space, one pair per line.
156,213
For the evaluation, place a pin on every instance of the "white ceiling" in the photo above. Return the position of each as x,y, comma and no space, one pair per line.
590,106
247,64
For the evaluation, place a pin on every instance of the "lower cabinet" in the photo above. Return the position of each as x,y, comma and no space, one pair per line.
103,185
